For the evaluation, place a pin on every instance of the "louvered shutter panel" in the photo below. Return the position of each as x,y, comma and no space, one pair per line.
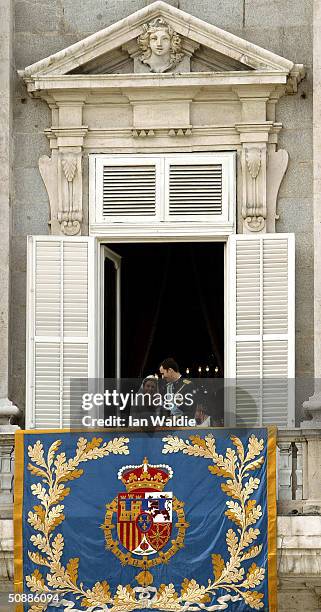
199,187
162,189
195,190
127,189
261,328
60,326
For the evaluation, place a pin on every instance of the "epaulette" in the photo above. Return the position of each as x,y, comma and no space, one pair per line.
186,381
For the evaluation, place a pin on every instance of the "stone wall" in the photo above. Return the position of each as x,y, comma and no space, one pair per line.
43,27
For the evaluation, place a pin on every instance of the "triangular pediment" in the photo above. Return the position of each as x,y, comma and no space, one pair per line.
115,50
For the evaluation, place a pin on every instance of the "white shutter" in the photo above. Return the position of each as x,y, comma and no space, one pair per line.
60,326
162,189
195,189
127,189
261,329
198,187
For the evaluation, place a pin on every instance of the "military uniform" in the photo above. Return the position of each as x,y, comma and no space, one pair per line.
185,406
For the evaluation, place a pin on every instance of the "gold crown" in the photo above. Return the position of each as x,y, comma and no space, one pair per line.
145,476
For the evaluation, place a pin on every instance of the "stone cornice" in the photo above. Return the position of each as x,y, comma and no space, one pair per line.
229,134
245,128
75,132
39,86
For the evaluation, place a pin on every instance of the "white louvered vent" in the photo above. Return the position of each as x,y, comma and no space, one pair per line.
162,189
261,328
60,326
195,190
129,191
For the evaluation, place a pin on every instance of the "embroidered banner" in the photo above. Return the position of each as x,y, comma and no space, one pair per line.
169,520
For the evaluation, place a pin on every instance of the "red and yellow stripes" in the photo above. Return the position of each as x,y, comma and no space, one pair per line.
129,535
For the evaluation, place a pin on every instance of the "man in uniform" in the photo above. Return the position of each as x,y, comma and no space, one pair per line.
179,393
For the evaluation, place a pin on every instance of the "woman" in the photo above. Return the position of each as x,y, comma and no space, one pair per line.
148,399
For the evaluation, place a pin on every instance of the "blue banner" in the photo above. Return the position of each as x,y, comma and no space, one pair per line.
169,520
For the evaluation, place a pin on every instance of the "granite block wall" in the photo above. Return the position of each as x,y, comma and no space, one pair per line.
42,27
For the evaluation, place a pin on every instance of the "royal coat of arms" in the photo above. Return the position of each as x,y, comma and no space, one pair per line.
145,514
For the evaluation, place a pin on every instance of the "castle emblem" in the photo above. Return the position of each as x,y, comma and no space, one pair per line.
148,517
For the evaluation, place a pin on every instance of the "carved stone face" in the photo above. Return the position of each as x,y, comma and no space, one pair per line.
160,42
161,46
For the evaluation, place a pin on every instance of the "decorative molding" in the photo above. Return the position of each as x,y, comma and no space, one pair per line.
69,166
264,81
70,193
253,161
169,231
297,73
69,132
142,133
62,176
179,57
262,173
180,131
160,46
254,211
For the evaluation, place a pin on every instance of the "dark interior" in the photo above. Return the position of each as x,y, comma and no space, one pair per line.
172,305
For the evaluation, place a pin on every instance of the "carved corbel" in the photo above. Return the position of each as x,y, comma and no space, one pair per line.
62,176
254,210
70,193
262,174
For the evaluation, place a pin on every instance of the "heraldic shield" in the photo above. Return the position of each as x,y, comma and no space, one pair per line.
145,525
145,511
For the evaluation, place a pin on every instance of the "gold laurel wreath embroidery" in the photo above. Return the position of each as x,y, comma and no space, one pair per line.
235,467
230,576
54,471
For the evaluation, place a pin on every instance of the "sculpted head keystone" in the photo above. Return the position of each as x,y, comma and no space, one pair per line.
160,45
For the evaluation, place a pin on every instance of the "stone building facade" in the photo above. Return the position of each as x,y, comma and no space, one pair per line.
263,105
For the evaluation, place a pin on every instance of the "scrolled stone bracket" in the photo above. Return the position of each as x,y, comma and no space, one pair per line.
263,168
254,210
62,175
70,213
